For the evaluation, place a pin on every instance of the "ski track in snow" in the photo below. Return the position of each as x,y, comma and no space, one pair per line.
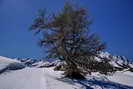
35,78
53,80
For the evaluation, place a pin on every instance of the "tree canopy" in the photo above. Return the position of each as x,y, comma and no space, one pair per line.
67,36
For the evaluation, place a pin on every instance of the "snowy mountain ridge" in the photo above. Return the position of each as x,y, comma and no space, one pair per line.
114,60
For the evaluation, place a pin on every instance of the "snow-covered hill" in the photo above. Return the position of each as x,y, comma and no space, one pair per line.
42,76
47,78
4,61
7,64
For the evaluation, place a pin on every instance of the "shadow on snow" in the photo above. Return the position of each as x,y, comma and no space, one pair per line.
103,84
92,83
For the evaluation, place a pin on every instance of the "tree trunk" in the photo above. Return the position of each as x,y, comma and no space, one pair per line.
72,71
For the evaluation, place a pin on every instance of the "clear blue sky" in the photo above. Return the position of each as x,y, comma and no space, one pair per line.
113,21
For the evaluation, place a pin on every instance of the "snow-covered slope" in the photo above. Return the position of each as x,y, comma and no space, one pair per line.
28,78
34,78
9,64
125,78
4,61
47,78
